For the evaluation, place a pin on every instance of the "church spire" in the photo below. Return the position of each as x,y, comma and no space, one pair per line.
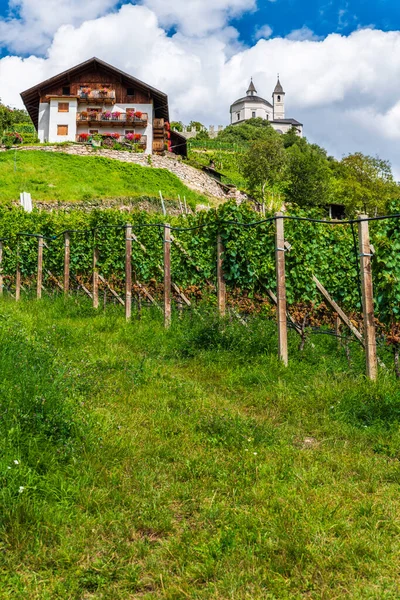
278,88
252,90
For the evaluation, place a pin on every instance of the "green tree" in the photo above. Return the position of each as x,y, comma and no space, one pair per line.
366,184
177,125
264,167
249,131
309,174
196,126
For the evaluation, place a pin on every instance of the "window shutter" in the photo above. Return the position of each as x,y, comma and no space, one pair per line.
63,107
62,129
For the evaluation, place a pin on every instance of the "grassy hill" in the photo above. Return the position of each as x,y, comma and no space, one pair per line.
141,464
55,176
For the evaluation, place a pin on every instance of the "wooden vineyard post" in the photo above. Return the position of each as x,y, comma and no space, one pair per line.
128,271
66,261
1,268
281,288
367,297
221,288
95,274
39,268
167,275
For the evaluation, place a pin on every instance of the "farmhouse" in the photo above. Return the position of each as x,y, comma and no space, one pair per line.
95,98
253,106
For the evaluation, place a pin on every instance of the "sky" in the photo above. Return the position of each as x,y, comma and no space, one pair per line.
338,60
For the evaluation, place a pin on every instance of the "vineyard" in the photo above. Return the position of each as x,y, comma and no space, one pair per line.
318,255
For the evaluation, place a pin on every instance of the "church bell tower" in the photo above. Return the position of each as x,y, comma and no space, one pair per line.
279,101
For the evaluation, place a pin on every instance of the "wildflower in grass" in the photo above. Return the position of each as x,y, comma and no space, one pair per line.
8,467
16,462
21,489
255,453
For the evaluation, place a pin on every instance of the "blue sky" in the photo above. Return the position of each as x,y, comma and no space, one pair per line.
335,16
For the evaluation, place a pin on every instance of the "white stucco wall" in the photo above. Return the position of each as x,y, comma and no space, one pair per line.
279,106
84,127
43,122
246,110
285,127
62,118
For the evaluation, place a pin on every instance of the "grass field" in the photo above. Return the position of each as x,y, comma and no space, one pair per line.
140,464
49,176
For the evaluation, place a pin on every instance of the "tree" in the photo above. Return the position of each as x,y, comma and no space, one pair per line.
366,184
202,135
196,125
291,137
264,167
249,131
309,174
177,125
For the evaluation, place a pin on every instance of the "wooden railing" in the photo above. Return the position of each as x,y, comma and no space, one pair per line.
97,95
118,137
112,117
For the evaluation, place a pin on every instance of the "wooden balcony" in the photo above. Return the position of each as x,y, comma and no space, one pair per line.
97,96
112,119
117,137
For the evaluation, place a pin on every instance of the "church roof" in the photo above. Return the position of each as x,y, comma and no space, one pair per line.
286,122
278,88
252,99
252,90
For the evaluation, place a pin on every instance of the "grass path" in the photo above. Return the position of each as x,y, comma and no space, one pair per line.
197,467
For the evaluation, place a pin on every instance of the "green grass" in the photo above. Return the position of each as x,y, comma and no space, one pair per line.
190,464
61,177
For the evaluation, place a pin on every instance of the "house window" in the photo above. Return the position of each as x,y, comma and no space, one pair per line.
130,92
129,131
93,131
238,116
66,91
267,117
63,107
62,129
253,114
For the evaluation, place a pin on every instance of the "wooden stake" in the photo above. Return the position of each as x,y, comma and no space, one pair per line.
66,261
1,268
367,297
221,287
281,288
343,317
39,268
95,277
18,277
167,275
128,271
337,330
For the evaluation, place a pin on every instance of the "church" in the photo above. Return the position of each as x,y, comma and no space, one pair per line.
253,106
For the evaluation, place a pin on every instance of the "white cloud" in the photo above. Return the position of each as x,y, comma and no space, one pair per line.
32,23
303,34
347,97
263,32
197,18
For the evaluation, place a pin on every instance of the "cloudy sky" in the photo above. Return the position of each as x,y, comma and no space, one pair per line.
339,60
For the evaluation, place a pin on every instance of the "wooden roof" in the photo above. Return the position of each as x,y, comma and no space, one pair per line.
31,97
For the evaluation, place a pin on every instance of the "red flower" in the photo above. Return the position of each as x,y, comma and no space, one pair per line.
138,114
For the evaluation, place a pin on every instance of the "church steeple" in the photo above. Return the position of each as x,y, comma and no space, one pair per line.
279,101
278,88
252,90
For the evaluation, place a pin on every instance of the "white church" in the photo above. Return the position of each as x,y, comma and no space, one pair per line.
253,106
